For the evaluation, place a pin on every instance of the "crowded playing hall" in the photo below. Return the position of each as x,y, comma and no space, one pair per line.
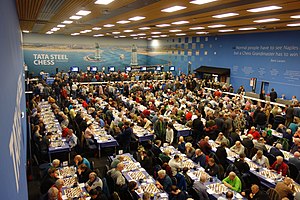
150,100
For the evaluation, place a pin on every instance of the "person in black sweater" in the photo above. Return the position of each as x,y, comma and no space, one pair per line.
83,173
212,168
273,95
49,180
222,154
240,163
97,195
198,128
146,162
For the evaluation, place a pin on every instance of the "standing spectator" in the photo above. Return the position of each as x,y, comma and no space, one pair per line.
169,134
273,95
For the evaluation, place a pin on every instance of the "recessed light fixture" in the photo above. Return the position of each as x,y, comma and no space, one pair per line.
128,31
200,2
86,31
154,33
98,35
293,25
96,28
266,8
247,29
122,36
25,31
61,25
75,33
163,35
83,12
180,34
142,37
55,29
67,22
225,15
136,18
144,28
103,2
163,25
202,32
197,28
173,9
108,25
123,22
216,26
155,36
225,30
295,16
180,22
266,20
49,32
75,17
175,30
115,33
133,35
141,34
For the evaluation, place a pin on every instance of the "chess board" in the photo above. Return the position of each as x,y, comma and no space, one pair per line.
252,165
268,174
56,144
136,175
130,166
69,181
297,188
189,164
218,188
73,192
67,172
151,188
199,173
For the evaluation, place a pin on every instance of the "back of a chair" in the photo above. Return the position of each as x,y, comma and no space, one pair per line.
271,158
273,194
293,170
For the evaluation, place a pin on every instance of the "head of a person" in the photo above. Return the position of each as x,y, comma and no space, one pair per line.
161,174
259,154
188,146
52,171
203,178
223,144
279,159
296,154
157,143
92,176
59,183
53,193
288,180
55,163
94,193
221,135
132,185
176,157
242,156
185,170
254,189
232,176
181,139
250,137
198,152
261,140
264,133
78,159
167,152
146,196
82,167
206,138
70,132
278,146
121,158
120,166
211,161
252,128
238,144
229,195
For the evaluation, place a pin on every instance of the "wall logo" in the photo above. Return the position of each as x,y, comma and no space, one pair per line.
49,59
15,143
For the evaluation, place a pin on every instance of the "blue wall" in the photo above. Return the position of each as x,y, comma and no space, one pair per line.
273,57
12,105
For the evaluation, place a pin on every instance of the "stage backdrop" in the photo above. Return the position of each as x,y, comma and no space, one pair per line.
44,52
273,57
12,106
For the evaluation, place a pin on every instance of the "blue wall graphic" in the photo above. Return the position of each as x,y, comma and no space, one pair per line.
273,57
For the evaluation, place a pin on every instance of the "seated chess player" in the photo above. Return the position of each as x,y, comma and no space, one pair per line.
233,182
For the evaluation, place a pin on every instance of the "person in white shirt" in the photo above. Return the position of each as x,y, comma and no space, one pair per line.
238,148
169,134
260,159
175,164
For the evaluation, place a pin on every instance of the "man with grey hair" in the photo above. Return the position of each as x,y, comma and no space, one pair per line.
163,181
94,182
276,151
200,188
260,159
238,148
53,193
233,182
279,166
295,160
116,174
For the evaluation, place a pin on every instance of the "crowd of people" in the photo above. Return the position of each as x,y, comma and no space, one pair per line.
238,123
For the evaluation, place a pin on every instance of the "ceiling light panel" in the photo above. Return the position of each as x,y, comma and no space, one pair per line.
67,22
173,9
123,22
197,28
75,17
83,12
247,29
202,32
136,18
61,25
180,22
163,25
96,28
263,9
180,34
295,16
225,15
108,25
154,33
175,30
103,2
216,26
144,28
293,25
226,30
266,20
200,2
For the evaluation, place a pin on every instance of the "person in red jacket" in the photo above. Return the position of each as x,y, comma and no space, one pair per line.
279,166
254,133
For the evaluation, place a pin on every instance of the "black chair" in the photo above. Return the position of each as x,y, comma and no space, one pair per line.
253,151
92,163
273,194
271,158
110,183
194,194
254,179
293,170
